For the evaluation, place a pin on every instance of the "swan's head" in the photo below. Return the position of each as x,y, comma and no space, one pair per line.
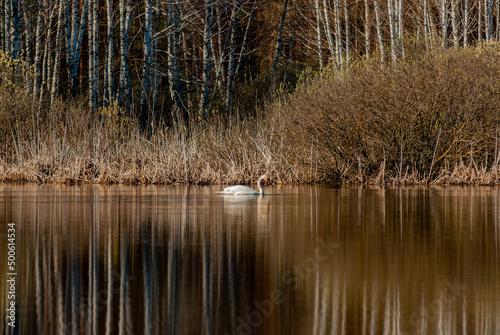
265,178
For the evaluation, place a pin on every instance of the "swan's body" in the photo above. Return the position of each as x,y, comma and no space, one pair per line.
244,190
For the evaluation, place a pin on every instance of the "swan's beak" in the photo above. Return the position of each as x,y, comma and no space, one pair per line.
268,182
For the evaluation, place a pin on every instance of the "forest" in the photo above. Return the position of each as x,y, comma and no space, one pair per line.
218,91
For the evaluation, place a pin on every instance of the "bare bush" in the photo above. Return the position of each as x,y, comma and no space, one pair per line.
421,116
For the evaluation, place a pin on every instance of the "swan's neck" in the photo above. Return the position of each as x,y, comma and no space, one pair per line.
261,191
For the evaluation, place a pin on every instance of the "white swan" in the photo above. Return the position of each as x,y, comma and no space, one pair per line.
243,190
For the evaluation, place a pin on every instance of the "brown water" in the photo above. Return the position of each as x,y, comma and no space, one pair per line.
302,260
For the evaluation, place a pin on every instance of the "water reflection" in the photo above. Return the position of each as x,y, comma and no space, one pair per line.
302,260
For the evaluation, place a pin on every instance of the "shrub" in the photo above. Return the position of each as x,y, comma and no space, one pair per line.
428,111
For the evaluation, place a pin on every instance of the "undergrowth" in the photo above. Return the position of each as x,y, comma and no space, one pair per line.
431,118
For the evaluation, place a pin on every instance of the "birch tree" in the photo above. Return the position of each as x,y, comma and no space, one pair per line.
74,38
466,23
179,111
444,23
347,34
328,33
232,57
124,91
57,60
338,33
38,48
454,23
317,12
148,60
109,94
207,52
367,29
93,55
379,31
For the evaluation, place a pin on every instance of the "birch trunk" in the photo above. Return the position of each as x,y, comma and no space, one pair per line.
426,24
108,69
444,24
392,28
179,111
367,29
124,92
454,24
466,23
38,49
146,68
480,21
74,39
328,33
338,33
47,60
7,23
489,19
347,34
93,56
497,10
57,59
207,51
232,57
318,33
379,31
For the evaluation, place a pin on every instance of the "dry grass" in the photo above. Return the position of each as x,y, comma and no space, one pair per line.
79,149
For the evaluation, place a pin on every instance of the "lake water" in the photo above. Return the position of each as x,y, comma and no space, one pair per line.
300,260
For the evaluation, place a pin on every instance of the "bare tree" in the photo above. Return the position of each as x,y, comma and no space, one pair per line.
466,23
367,29
57,60
379,31
38,48
207,52
109,94
124,90
148,61
279,41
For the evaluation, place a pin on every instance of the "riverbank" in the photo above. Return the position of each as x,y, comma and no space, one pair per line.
431,119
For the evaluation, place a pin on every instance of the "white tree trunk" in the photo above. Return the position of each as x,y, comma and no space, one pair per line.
480,21
489,18
328,33
108,69
93,55
444,24
379,31
347,34
38,49
454,23
14,28
58,51
338,33
207,52
392,28
317,12
124,91
147,63
367,29
466,23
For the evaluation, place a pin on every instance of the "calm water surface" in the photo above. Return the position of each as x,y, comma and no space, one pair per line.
301,260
